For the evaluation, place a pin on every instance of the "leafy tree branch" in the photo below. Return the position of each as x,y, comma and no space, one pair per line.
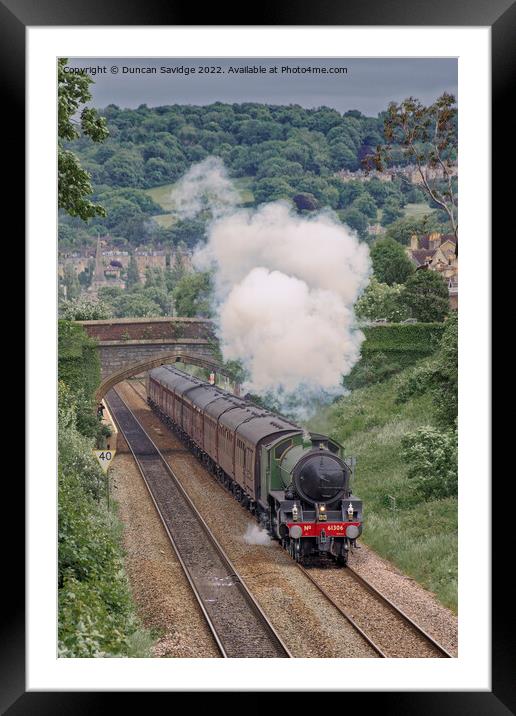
427,137
74,185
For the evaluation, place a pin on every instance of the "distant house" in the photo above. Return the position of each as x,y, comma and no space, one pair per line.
413,174
114,270
376,230
437,252
149,258
116,257
409,172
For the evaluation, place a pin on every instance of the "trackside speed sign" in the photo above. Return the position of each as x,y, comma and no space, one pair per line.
105,458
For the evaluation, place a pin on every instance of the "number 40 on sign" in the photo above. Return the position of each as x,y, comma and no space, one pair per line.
105,458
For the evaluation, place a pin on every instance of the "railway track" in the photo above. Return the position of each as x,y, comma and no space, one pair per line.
238,624
344,613
141,393
385,627
409,624
391,632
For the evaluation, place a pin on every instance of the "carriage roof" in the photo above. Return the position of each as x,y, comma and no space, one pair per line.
253,422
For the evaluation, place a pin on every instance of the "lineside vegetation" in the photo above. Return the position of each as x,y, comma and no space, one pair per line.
96,613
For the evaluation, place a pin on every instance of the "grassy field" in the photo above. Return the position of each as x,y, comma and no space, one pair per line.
162,195
417,211
413,211
165,220
420,538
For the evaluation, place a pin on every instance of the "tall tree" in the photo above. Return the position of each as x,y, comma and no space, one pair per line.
70,283
74,184
192,295
390,262
133,275
427,138
426,296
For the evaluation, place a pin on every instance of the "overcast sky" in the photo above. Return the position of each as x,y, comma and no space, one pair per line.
369,84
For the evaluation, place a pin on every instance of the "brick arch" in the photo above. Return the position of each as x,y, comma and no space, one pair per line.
175,356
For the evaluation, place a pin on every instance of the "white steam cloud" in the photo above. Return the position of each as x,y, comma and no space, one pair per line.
205,185
257,535
285,285
288,333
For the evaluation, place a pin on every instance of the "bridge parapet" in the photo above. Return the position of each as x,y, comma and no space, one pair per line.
138,329
124,342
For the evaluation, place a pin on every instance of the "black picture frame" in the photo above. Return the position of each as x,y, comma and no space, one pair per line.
500,16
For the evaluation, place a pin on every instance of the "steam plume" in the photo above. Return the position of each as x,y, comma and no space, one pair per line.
205,185
257,535
285,286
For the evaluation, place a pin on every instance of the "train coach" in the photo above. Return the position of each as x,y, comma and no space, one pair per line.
297,484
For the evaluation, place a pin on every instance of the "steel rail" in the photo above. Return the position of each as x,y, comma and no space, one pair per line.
376,593
251,602
347,616
130,384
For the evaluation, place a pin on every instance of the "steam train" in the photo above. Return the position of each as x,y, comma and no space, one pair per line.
296,483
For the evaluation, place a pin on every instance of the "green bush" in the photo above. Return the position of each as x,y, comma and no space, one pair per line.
193,294
79,369
96,613
416,382
380,300
431,456
438,376
95,609
84,308
445,389
76,456
78,361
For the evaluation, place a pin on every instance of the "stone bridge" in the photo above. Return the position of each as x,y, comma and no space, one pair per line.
128,346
